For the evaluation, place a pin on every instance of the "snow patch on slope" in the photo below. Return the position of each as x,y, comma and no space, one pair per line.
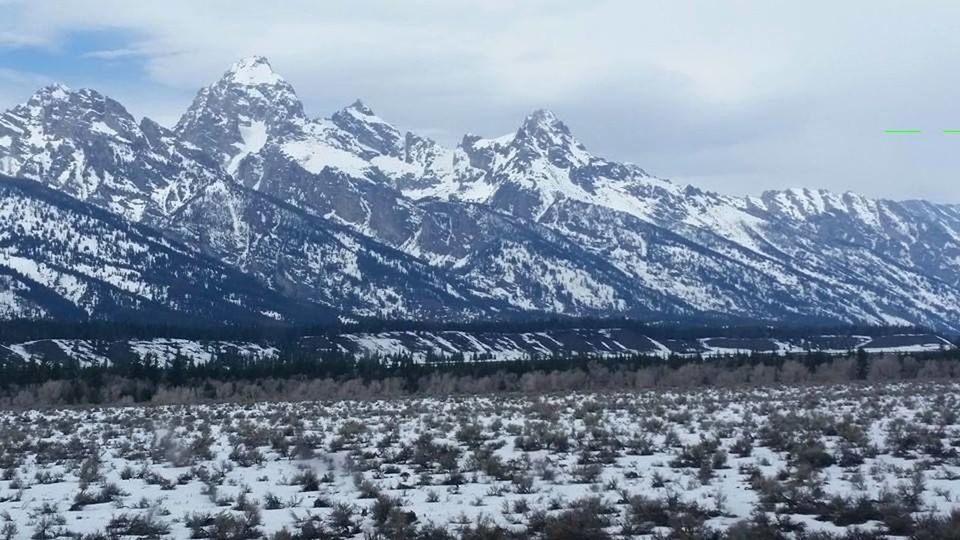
315,157
253,135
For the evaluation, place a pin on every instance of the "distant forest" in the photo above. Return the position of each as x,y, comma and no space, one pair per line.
16,331
302,374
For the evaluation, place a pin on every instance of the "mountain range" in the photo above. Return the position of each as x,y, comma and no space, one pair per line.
249,210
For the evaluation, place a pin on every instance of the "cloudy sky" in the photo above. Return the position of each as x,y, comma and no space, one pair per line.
734,96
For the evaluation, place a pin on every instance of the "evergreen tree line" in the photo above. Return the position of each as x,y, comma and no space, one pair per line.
20,330
338,376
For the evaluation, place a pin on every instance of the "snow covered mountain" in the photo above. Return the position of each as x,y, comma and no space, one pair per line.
310,258
88,146
351,214
346,169
232,118
61,258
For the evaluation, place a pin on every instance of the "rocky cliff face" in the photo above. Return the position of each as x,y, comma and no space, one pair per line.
88,146
64,259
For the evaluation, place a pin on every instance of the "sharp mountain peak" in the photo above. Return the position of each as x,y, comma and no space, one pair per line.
544,122
253,71
542,117
55,90
359,106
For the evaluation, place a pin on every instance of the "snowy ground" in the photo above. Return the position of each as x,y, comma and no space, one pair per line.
820,458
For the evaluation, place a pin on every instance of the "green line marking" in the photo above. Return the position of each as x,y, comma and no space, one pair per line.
951,131
901,131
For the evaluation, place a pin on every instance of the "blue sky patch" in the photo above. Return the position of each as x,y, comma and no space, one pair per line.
77,59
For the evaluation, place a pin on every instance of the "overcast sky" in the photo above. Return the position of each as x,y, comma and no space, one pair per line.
738,97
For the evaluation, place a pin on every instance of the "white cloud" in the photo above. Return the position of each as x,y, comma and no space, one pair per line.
116,54
739,95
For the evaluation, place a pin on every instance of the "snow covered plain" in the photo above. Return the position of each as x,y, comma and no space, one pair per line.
830,459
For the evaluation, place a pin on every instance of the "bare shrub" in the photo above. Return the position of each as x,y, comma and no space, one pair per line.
224,525
147,526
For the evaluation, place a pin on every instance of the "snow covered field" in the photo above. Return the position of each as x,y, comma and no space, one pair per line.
881,458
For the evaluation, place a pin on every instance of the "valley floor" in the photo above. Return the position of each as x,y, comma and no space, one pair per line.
883,458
